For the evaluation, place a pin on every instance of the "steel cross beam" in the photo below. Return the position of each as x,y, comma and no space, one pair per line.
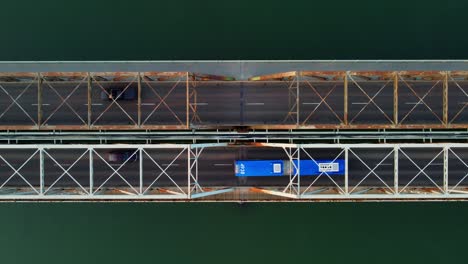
14,100
322,101
340,190
462,110
64,101
114,100
162,101
371,99
371,171
420,100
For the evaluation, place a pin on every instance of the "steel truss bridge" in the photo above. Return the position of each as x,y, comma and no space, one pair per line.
210,95
204,172
400,126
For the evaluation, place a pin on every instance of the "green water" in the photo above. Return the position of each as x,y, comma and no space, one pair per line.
229,233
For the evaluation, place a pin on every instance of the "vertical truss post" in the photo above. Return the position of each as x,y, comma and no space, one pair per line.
395,169
446,170
41,171
90,101
187,101
140,158
39,101
298,149
91,172
294,170
346,171
445,99
345,103
395,98
139,99
297,97
189,173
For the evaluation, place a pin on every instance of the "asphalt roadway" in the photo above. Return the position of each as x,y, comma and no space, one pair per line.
216,168
230,104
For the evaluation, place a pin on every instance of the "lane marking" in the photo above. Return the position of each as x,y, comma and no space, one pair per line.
357,103
173,164
6,165
310,103
412,103
62,165
93,104
199,103
37,104
222,164
463,103
255,103
148,104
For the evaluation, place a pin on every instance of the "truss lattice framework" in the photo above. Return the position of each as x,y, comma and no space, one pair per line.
26,173
372,88
170,100
81,99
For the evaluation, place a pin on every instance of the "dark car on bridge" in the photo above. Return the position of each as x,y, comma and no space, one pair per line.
117,93
122,155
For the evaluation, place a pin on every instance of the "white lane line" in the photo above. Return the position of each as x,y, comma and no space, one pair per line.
412,103
359,103
386,164
222,164
463,103
199,103
436,164
173,164
93,104
42,104
310,103
255,103
6,165
62,165
148,104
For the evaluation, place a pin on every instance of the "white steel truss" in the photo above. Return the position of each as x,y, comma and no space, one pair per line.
412,172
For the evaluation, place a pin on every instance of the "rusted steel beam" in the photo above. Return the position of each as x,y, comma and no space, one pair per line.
274,76
425,75
345,103
445,99
114,74
90,101
459,74
19,74
387,74
211,77
164,74
324,75
187,100
64,74
297,99
341,126
161,76
39,100
139,99
273,127
395,98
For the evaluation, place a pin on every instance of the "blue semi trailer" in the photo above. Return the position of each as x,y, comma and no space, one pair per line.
251,168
